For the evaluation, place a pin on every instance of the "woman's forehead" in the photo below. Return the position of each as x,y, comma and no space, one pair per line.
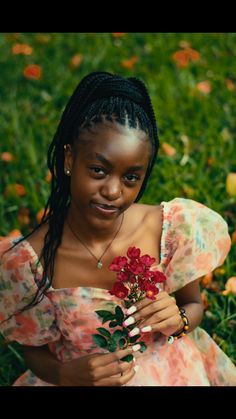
114,138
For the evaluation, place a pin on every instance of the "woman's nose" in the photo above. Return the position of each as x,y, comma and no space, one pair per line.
111,190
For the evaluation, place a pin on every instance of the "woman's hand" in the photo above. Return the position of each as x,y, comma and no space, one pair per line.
98,370
161,315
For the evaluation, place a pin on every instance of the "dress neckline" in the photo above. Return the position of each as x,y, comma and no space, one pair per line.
162,256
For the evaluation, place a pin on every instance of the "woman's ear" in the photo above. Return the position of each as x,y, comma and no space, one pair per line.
69,158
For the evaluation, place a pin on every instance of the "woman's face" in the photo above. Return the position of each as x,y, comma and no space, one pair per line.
107,166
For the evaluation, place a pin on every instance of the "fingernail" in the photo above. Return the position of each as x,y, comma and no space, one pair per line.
134,359
129,321
146,329
134,332
136,347
131,310
136,368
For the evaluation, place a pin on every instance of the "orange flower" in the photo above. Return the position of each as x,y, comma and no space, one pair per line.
183,57
233,238
129,64
48,176
204,300
15,233
206,281
33,71
23,49
204,87
23,216
20,189
229,84
230,286
14,189
39,215
168,149
76,60
118,34
6,156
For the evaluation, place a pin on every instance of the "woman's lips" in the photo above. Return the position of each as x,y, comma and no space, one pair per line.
104,210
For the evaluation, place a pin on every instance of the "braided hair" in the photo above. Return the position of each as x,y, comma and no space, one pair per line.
98,94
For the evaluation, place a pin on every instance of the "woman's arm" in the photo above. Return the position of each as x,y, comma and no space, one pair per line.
189,297
42,363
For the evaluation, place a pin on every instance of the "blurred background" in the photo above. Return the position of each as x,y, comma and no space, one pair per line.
191,78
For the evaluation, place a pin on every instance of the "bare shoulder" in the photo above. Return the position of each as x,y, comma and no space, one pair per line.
150,215
36,240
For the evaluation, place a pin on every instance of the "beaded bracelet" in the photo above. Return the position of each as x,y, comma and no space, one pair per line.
182,332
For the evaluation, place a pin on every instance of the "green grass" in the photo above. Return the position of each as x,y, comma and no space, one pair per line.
30,112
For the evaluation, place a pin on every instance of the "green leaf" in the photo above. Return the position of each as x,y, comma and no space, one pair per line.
113,324
100,341
117,335
119,314
122,343
143,347
127,358
104,332
112,346
105,315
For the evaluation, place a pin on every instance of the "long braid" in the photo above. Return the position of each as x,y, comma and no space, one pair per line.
98,94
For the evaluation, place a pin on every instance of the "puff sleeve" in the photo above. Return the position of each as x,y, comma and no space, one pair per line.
35,326
195,242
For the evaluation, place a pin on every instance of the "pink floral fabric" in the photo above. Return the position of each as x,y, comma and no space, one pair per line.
194,241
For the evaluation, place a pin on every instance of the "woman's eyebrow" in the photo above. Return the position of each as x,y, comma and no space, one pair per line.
103,160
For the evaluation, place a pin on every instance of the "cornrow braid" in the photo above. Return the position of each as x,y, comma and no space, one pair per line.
98,94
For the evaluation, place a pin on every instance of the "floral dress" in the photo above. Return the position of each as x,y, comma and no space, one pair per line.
194,242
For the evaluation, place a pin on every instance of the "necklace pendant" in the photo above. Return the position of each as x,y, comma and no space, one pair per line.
99,264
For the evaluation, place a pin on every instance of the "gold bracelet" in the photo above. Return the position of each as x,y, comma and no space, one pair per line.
183,331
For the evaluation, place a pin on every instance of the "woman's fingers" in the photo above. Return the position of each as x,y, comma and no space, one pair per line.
119,380
151,308
106,359
118,368
160,316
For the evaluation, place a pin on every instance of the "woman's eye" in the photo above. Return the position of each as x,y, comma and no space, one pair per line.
100,171
132,178
97,170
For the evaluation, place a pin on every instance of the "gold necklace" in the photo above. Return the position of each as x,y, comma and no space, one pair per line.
99,262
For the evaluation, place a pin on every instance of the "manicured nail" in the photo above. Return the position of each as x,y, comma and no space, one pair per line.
134,332
129,321
131,310
146,329
136,368
136,347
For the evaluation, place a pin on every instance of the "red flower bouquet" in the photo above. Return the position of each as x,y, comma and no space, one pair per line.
135,280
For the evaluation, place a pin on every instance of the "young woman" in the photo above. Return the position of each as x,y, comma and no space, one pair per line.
54,279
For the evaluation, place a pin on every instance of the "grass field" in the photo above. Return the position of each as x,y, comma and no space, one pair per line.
192,82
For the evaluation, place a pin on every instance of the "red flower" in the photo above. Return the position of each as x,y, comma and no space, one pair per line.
123,276
135,267
119,290
33,71
133,252
151,290
147,260
118,263
158,276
